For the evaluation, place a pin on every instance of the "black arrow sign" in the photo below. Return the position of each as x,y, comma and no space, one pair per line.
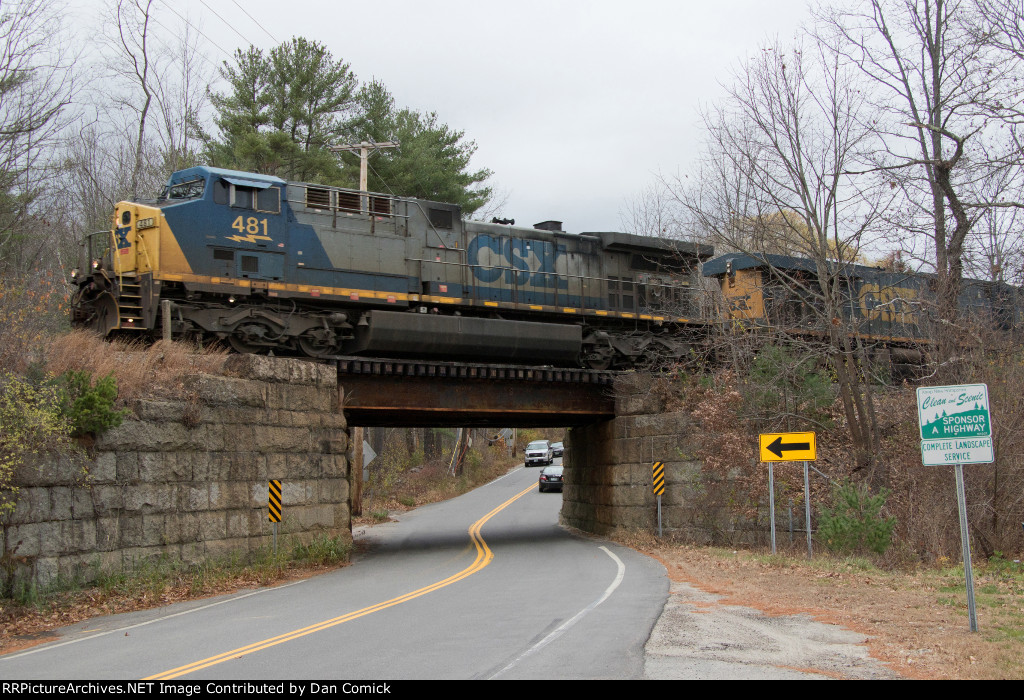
778,447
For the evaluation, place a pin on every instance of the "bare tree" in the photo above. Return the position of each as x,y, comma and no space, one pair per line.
181,99
149,97
36,91
933,78
774,179
653,212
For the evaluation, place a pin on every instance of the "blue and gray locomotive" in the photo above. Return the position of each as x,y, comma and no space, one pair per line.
268,265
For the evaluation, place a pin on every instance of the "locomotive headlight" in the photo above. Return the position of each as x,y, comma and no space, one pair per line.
145,223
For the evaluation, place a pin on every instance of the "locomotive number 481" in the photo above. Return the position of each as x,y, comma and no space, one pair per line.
250,226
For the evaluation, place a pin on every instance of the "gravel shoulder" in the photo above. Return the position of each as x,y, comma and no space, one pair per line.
781,618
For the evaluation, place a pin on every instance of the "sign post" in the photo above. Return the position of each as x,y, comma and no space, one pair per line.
789,447
771,500
807,509
956,429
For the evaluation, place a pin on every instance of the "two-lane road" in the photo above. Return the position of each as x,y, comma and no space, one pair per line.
483,586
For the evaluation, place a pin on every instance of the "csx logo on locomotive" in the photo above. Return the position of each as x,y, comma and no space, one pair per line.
515,261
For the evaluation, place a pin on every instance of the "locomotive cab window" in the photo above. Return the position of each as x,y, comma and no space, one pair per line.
441,218
268,200
242,197
257,196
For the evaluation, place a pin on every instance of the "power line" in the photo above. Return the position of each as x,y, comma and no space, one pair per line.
272,37
230,26
197,29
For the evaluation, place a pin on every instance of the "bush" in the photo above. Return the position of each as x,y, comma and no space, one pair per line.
855,523
782,380
322,550
31,422
89,407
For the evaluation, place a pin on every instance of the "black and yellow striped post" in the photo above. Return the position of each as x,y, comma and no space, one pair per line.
274,507
658,473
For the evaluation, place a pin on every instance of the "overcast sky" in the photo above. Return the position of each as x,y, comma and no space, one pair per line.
575,105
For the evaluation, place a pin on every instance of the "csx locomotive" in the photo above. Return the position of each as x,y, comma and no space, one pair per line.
893,311
267,265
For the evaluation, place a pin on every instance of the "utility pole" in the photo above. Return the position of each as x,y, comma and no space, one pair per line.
364,150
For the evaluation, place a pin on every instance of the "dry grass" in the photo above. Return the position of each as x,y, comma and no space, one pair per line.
141,370
23,626
430,482
916,620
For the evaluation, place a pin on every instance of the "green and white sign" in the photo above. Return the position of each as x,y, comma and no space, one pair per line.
956,425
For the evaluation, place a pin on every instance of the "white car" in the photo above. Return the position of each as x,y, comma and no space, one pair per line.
539,452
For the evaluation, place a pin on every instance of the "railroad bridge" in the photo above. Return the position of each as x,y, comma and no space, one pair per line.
448,394
619,424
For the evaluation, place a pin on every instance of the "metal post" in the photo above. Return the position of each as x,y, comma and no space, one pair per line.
165,317
807,508
965,543
659,515
355,470
771,501
791,523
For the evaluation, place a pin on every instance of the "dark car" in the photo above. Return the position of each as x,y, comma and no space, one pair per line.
550,478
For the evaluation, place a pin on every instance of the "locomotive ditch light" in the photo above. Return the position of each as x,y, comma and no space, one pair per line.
231,299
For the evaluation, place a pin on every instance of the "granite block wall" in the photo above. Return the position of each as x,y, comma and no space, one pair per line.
188,478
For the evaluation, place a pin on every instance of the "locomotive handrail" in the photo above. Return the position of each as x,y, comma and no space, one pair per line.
430,225
115,260
141,244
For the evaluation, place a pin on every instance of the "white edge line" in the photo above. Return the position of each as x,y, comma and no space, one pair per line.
575,618
48,647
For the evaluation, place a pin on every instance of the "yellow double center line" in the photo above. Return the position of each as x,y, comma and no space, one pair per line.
484,555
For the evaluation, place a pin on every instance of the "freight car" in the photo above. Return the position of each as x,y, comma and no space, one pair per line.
889,309
267,265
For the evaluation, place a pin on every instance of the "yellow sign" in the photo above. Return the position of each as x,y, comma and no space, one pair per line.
274,501
658,472
787,447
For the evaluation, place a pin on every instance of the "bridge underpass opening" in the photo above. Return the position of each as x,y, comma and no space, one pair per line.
417,394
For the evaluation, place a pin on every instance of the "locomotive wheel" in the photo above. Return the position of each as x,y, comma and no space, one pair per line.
598,360
239,345
253,338
315,347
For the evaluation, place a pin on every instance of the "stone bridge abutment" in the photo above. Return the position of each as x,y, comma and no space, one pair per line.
187,479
